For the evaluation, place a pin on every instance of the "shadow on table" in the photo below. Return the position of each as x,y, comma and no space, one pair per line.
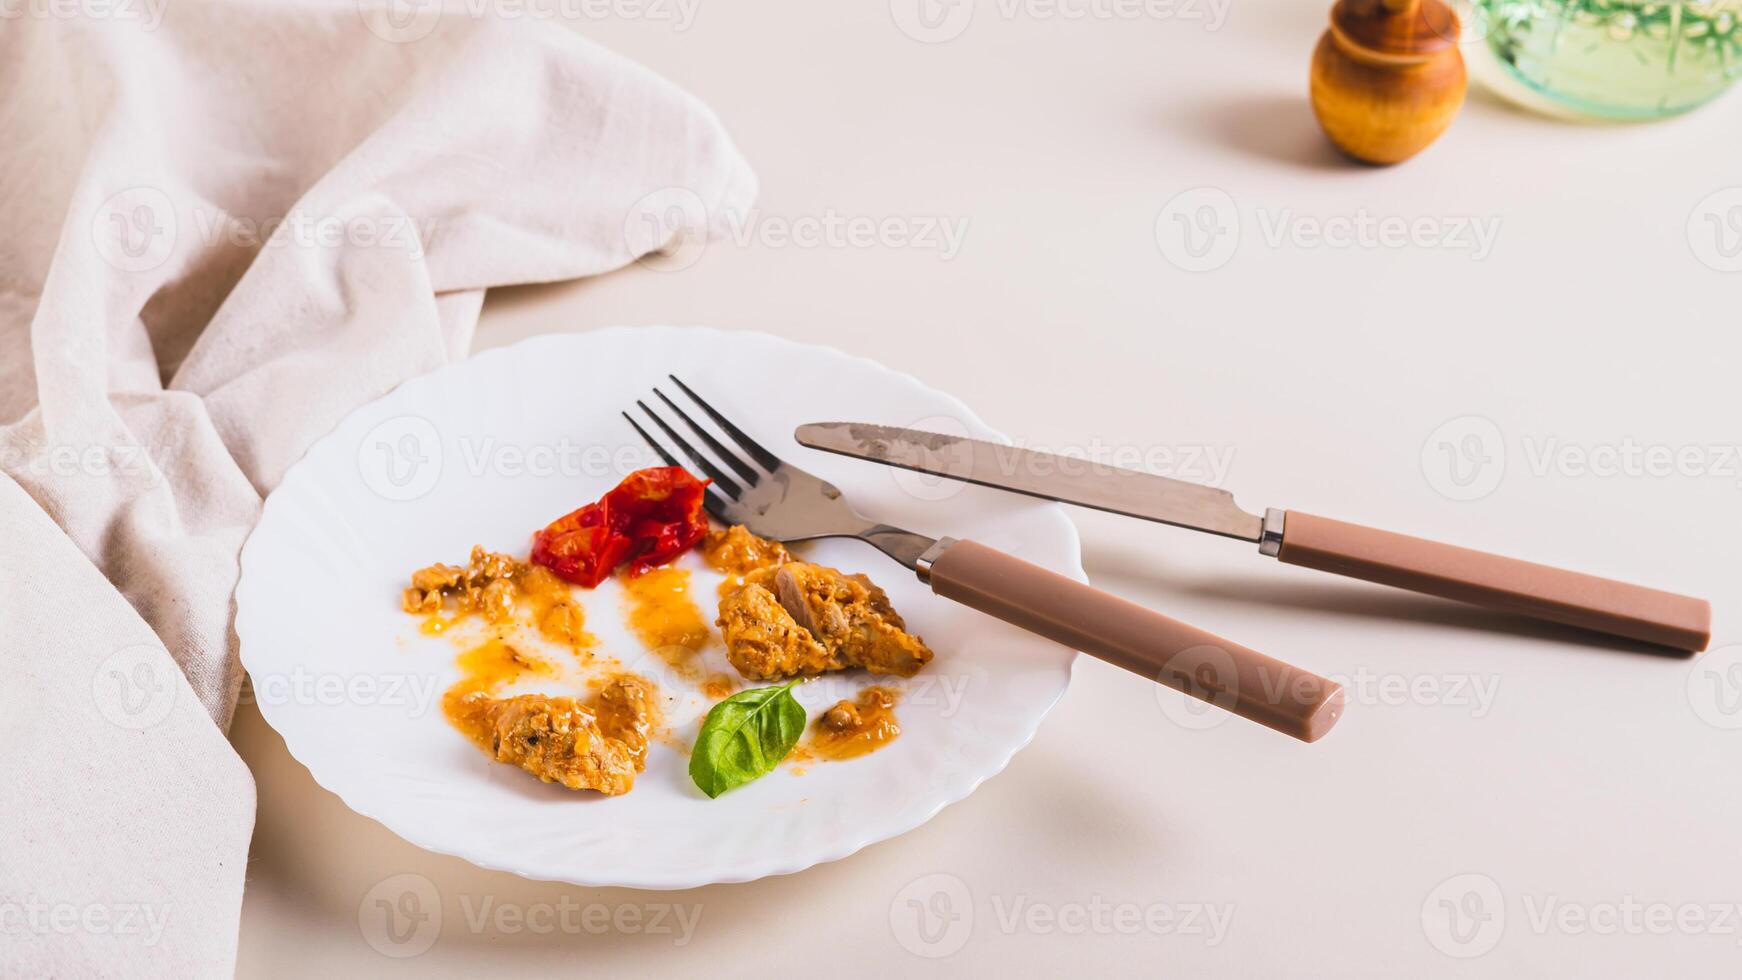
1276,127
1347,598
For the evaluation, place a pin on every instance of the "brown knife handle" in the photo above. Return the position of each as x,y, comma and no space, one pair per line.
1185,658
1507,584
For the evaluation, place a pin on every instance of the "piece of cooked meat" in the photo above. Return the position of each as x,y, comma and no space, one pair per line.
628,712
764,642
800,619
843,717
851,617
486,585
562,741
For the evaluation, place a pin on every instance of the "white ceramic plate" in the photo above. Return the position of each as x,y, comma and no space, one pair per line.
489,449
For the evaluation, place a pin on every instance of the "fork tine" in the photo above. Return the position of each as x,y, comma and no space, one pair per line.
657,448
712,501
720,479
717,506
738,466
768,460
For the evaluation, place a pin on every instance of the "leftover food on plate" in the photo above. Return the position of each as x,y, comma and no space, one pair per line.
800,619
599,747
485,585
736,553
780,619
494,664
665,619
853,728
653,516
493,586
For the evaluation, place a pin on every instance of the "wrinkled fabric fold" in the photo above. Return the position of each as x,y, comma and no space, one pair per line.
229,229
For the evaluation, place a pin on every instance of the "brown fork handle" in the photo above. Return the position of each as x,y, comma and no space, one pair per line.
1185,658
1445,570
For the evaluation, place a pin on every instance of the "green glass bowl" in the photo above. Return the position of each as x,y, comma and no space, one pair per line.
1616,59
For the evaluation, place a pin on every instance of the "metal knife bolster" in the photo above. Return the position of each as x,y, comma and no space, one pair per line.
1073,480
1270,537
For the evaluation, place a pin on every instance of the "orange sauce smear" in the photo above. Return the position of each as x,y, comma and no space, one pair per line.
854,728
666,619
661,611
798,762
538,598
735,553
553,607
719,687
486,668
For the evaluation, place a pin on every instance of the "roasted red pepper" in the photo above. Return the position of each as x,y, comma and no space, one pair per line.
653,516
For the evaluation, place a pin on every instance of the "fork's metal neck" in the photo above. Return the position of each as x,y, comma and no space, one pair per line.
903,546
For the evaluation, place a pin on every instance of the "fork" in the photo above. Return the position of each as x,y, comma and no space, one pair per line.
779,501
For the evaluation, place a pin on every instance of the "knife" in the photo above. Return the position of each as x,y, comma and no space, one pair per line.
1291,536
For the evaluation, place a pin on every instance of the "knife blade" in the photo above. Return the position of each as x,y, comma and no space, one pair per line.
1449,571
1073,480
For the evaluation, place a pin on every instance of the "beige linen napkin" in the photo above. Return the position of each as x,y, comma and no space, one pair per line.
228,224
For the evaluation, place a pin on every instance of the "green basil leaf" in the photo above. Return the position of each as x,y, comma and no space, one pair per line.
745,736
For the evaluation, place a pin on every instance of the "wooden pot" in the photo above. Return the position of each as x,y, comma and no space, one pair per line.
1387,77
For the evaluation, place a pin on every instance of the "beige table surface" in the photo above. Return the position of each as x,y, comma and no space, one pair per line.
1501,799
